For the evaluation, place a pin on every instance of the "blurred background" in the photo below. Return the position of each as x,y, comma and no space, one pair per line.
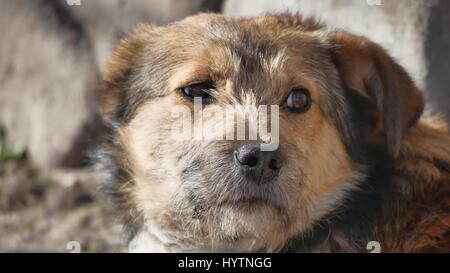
51,56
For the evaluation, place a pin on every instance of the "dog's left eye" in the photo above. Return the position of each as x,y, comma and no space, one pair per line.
201,90
298,100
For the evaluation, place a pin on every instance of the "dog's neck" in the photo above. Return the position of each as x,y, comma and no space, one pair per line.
153,238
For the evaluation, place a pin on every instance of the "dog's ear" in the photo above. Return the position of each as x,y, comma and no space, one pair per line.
114,86
366,68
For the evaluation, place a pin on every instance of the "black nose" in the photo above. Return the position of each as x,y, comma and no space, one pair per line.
257,165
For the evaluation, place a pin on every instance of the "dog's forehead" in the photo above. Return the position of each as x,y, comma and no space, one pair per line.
227,26
229,46
251,36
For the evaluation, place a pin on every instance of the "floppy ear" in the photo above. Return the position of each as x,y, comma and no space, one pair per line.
367,69
114,86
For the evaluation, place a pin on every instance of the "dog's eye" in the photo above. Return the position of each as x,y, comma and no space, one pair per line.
201,90
298,101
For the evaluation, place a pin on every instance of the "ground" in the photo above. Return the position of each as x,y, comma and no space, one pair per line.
53,211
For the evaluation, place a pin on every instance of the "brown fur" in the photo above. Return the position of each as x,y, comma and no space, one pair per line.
422,224
357,167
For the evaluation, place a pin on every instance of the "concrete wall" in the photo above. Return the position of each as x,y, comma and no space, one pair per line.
437,54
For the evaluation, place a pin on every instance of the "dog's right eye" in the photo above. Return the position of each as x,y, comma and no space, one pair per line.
201,90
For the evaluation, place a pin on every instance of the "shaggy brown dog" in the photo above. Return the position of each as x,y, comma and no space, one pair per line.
355,162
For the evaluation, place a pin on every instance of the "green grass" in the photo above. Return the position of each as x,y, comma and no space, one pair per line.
7,154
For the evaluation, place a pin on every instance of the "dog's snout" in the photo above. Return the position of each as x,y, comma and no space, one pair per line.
248,156
257,165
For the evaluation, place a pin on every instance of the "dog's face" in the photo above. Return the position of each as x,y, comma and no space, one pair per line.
224,192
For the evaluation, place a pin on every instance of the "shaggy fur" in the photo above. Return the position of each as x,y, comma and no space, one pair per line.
359,166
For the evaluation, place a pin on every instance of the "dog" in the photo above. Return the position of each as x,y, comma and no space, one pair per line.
355,161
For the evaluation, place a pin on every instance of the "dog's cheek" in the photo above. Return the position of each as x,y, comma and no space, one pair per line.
331,174
145,141
323,170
